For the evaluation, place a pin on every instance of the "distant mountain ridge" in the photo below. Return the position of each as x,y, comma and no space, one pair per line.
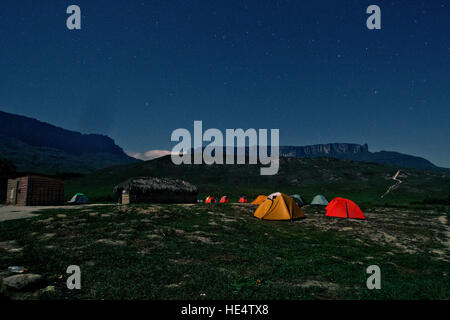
39,147
357,152
35,146
345,151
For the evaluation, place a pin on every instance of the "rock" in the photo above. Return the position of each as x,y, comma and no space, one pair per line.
46,236
10,246
112,242
49,289
22,281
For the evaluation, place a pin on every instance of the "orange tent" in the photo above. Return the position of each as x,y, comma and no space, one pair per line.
344,208
279,206
224,199
243,199
210,199
259,199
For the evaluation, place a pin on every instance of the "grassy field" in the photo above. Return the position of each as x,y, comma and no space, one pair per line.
222,252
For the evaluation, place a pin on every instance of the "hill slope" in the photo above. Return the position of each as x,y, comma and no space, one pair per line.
43,148
332,177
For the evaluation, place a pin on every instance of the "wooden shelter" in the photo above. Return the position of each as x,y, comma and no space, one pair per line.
156,190
35,191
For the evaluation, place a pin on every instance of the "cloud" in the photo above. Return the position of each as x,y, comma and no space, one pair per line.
148,155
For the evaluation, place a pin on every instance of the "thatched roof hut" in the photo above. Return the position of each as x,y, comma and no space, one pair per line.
157,190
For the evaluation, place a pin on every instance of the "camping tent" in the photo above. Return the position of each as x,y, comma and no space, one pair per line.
224,199
243,199
320,200
298,199
210,199
344,208
259,199
79,198
279,206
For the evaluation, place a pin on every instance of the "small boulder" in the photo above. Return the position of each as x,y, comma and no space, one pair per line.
22,281
10,246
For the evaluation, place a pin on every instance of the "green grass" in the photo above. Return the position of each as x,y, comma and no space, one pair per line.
359,181
222,252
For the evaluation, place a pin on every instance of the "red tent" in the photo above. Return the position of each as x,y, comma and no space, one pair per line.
243,199
210,200
344,208
224,199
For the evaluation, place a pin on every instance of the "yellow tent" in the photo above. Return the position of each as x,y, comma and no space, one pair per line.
259,199
279,206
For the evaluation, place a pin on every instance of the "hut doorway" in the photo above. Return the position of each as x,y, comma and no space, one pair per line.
125,197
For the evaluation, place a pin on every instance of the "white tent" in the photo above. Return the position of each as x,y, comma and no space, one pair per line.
320,200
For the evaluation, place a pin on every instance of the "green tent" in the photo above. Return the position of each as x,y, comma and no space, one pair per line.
298,199
320,200
79,198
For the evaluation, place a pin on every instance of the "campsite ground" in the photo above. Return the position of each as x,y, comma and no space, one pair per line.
222,252
22,212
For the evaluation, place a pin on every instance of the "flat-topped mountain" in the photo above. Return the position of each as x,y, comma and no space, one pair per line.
40,147
329,149
356,152
40,134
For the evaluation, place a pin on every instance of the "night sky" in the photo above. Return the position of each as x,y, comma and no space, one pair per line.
140,69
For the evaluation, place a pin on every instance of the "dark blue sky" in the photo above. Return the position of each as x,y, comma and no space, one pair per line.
140,69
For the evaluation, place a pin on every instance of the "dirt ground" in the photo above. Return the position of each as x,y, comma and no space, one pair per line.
22,212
